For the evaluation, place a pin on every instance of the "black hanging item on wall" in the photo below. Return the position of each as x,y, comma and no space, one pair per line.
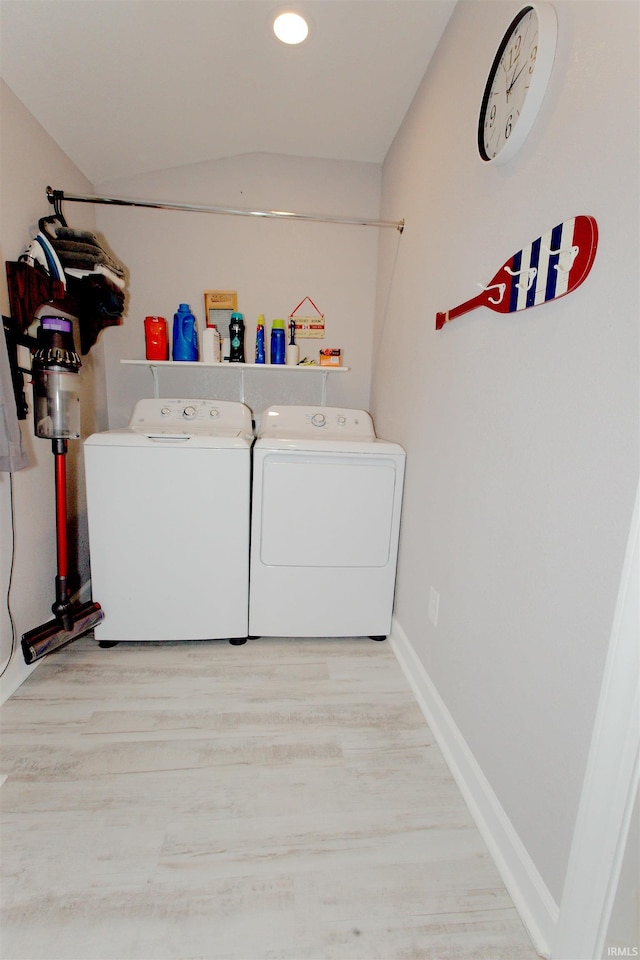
14,340
56,417
28,288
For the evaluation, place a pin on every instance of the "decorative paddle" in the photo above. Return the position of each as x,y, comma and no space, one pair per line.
550,267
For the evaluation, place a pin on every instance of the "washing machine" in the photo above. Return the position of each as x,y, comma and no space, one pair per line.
326,508
168,502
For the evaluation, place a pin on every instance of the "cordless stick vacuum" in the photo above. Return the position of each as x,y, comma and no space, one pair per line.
56,417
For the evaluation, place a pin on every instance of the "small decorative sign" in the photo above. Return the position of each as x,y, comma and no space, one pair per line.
547,269
218,307
308,328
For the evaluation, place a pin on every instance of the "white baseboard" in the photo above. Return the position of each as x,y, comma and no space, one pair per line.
532,899
14,676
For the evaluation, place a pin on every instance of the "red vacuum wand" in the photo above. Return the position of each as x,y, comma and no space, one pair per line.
62,606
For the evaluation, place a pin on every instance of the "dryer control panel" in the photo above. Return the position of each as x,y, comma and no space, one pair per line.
327,423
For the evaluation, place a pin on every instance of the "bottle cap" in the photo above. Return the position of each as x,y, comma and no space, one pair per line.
261,320
278,324
237,316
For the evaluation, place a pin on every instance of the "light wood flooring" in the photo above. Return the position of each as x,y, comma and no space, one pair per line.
284,799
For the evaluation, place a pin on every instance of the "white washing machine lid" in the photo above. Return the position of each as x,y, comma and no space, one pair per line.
127,438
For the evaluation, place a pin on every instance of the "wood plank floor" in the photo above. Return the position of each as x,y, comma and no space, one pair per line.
284,799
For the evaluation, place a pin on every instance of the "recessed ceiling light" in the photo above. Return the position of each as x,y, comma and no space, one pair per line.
290,28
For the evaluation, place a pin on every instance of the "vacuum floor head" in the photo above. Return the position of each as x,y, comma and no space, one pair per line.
49,636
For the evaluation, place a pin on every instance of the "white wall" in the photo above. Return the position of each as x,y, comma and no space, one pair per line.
30,161
521,432
174,257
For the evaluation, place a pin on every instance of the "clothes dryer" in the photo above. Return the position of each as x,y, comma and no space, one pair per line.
326,508
168,502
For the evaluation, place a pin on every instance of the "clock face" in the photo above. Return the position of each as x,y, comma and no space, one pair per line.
517,82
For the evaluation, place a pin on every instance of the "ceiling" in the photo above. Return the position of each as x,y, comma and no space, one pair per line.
130,86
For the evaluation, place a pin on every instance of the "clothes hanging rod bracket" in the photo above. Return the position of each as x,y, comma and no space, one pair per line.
55,197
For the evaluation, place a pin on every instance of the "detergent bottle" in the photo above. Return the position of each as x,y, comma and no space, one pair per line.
236,335
210,347
185,334
260,356
155,338
278,345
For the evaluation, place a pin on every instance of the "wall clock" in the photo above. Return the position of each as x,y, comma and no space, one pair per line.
517,82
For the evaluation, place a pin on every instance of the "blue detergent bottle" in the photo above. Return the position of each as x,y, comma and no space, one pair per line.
278,344
185,334
260,354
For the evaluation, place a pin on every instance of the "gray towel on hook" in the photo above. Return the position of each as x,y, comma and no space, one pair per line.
75,253
81,249
12,454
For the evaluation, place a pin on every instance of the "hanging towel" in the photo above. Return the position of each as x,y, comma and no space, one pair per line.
81,249
12,454
100,268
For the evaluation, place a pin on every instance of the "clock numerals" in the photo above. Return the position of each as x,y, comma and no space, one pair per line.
514,52
508,126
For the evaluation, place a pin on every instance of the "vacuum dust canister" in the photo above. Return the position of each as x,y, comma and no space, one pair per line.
55,368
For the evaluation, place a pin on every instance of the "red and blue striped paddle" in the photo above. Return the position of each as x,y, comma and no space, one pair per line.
550,267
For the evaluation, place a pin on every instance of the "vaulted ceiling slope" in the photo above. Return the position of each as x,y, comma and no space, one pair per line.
130,86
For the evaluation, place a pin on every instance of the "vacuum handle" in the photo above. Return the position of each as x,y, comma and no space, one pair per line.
62,607
60,454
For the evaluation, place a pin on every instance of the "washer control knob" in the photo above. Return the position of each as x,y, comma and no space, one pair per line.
214,412
318,420
342,421
165,411
189,413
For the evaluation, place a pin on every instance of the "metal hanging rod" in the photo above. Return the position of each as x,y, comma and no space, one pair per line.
55,197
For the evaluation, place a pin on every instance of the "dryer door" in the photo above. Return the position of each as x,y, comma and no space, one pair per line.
327,510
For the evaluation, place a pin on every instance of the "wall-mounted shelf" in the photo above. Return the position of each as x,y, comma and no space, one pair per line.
256,367
238,368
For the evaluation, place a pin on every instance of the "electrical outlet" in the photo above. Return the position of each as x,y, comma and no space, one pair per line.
434,603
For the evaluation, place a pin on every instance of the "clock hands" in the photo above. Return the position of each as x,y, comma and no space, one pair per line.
515,79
